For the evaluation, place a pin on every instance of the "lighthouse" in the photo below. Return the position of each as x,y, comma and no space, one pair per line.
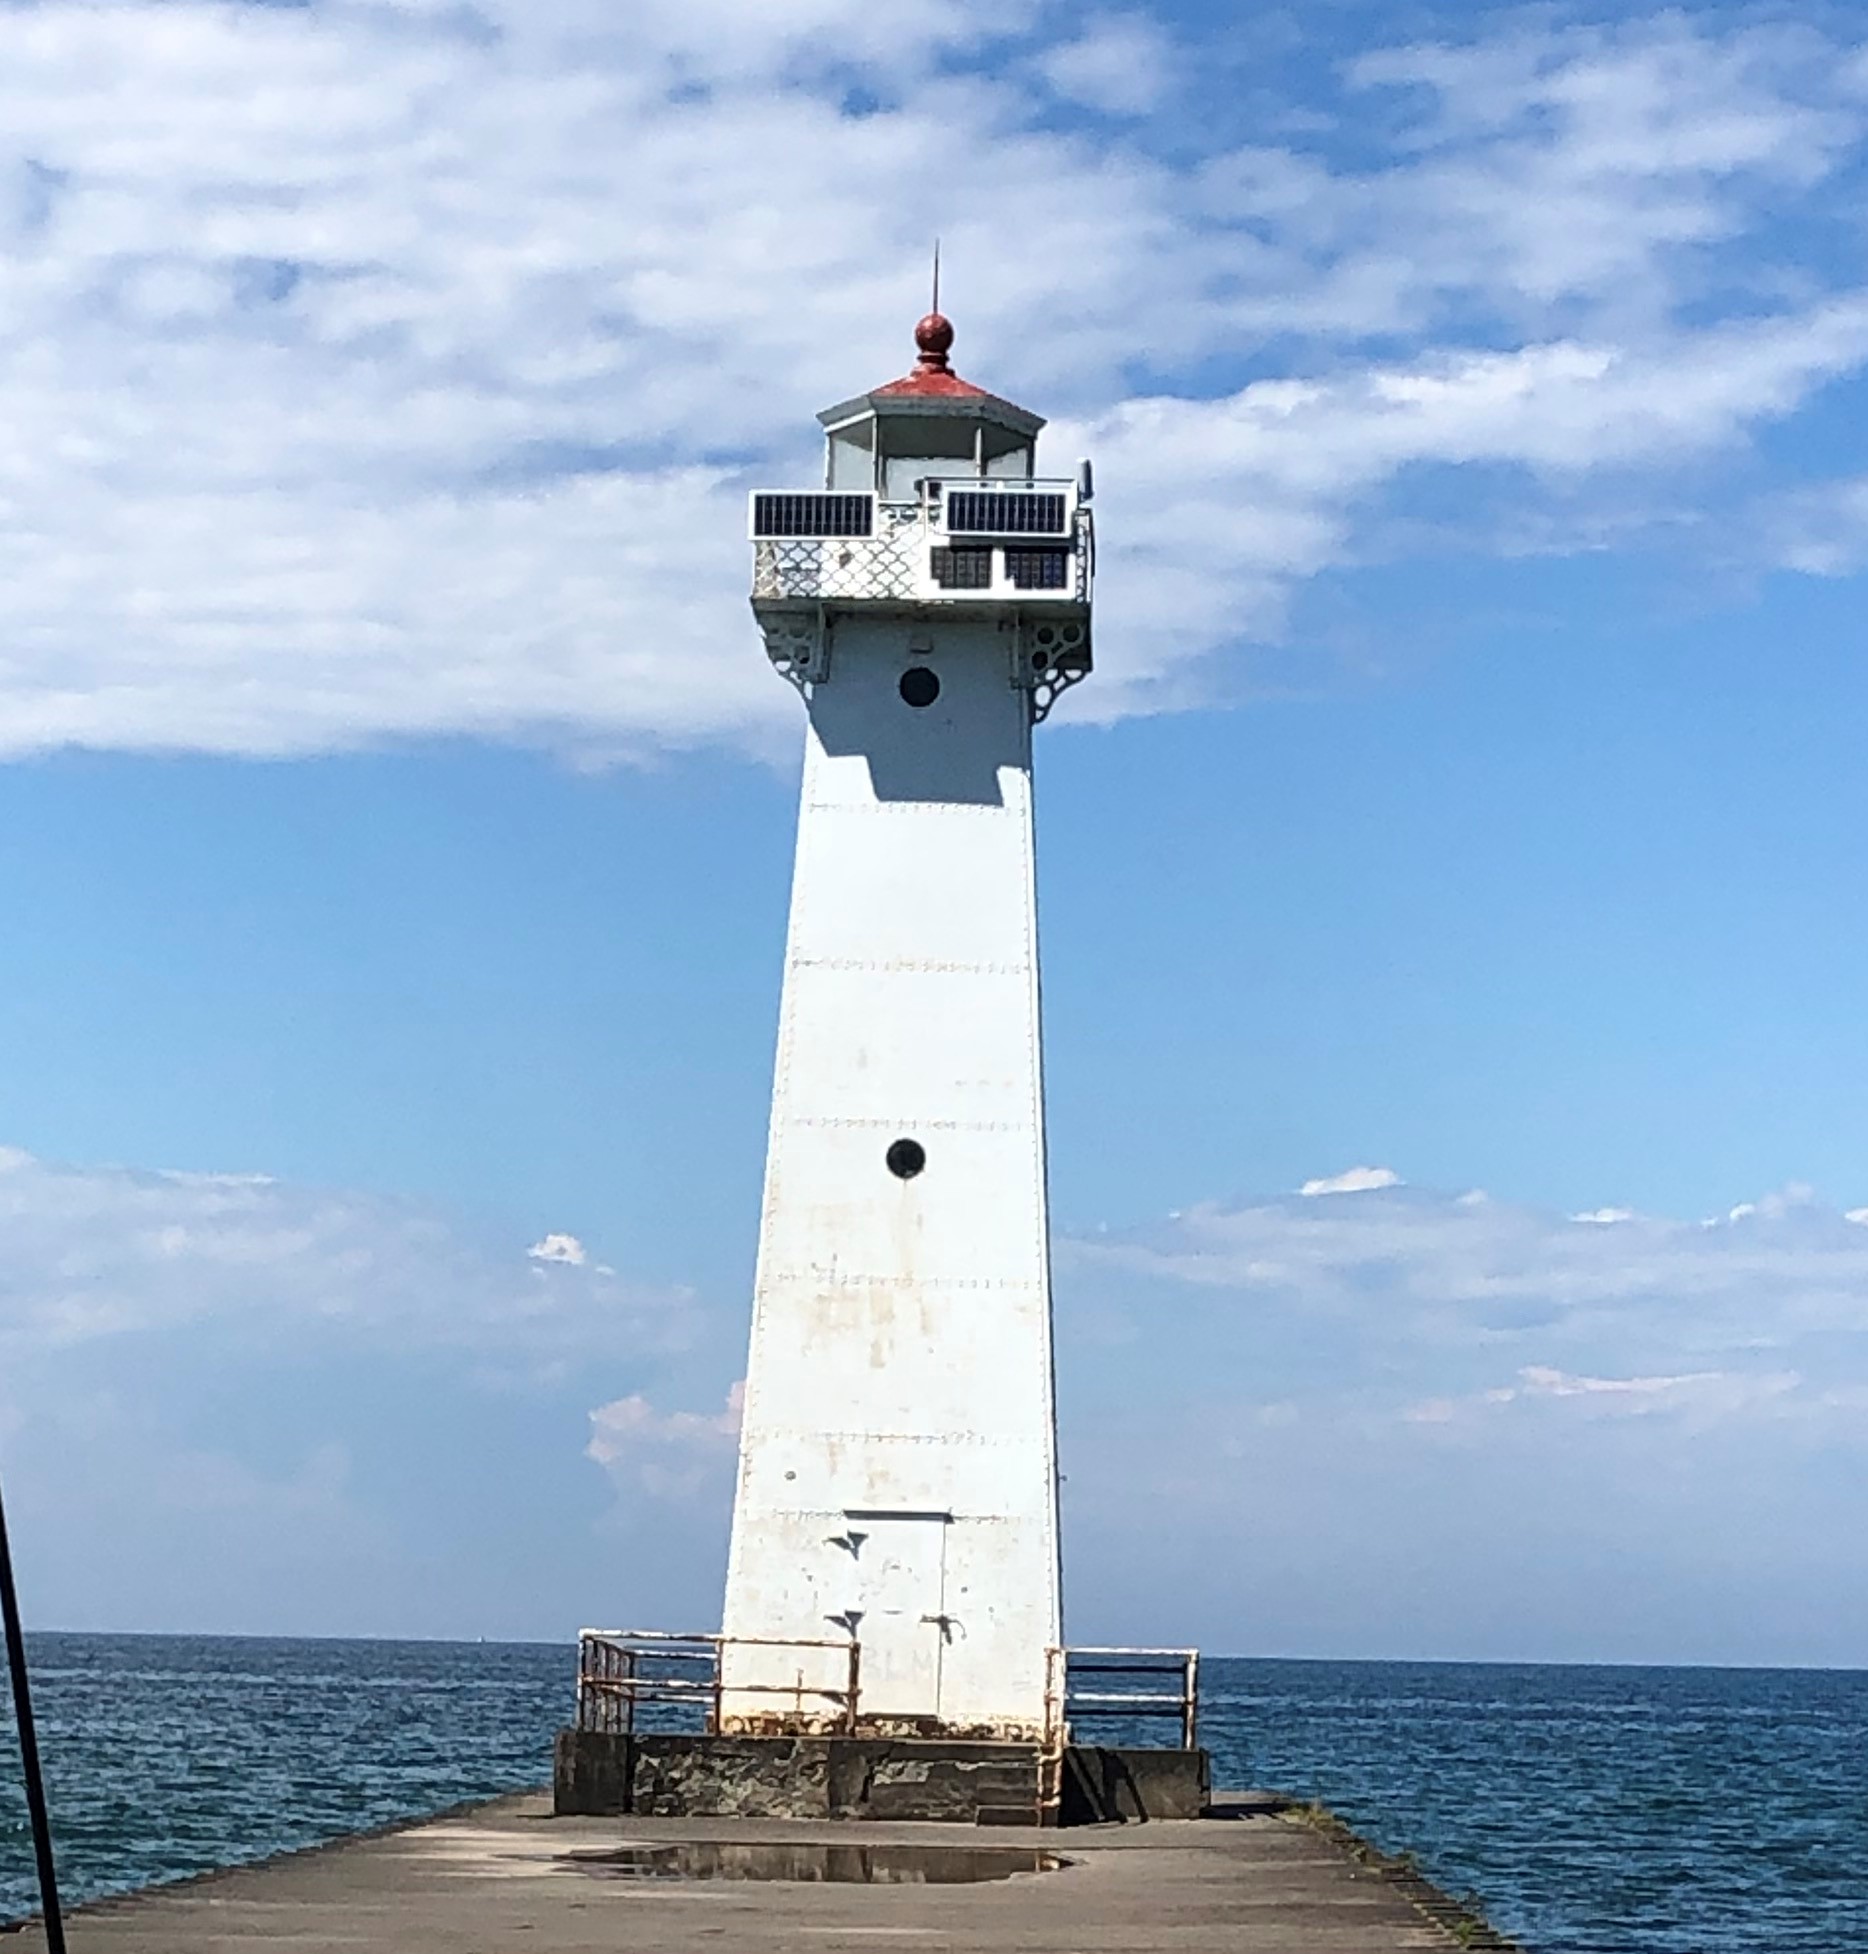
898,1478
892,1641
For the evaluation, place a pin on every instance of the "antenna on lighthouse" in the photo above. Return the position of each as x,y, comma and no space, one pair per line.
935,307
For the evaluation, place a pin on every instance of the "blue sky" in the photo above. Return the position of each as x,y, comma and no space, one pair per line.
395,807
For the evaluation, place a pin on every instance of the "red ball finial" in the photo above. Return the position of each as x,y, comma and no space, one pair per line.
934,336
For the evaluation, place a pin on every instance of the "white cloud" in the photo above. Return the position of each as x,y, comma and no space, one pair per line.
1644,1394
1699,1392
632,1421
1694,1400
1357,1180
396,372
566,1249
1604,1217
1121,64
1616,147
670,1454
315,1396
89,1256
1822,531
1454,1296
1216,509
1640,1442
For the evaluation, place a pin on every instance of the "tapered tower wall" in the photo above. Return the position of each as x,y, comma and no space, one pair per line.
898,1473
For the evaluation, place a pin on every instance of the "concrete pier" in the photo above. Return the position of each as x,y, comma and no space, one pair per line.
508,1875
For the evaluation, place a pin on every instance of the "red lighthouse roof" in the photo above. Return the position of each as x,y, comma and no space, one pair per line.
933,376
933,384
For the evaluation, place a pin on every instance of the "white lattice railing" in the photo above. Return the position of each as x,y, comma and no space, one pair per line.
911,560
886,566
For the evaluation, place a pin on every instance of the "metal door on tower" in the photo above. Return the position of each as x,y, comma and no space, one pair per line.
898,1602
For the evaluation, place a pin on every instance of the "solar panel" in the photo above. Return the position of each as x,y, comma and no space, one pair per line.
995,512
813,515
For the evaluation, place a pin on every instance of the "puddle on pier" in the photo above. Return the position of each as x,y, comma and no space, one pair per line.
839,1865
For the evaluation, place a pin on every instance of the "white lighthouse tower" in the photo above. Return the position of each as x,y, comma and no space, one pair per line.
898,1471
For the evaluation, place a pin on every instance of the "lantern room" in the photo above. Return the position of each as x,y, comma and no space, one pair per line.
929,426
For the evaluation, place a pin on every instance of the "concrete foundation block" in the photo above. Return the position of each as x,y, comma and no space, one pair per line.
1104,1785
930,1779
589,1774
730,1777
692,1776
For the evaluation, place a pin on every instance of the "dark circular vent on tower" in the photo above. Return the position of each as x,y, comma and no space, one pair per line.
906,1158
919,686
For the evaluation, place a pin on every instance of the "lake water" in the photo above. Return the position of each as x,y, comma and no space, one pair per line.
1593,1811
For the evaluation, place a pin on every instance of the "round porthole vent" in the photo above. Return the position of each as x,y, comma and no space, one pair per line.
906,1158
919,686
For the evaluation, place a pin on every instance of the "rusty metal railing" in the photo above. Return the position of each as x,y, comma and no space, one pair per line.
1056,1739
619,1669
1178,1696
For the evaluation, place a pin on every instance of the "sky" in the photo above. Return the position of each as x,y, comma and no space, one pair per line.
1450,878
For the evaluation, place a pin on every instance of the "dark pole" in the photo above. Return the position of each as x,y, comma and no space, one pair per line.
29,1750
